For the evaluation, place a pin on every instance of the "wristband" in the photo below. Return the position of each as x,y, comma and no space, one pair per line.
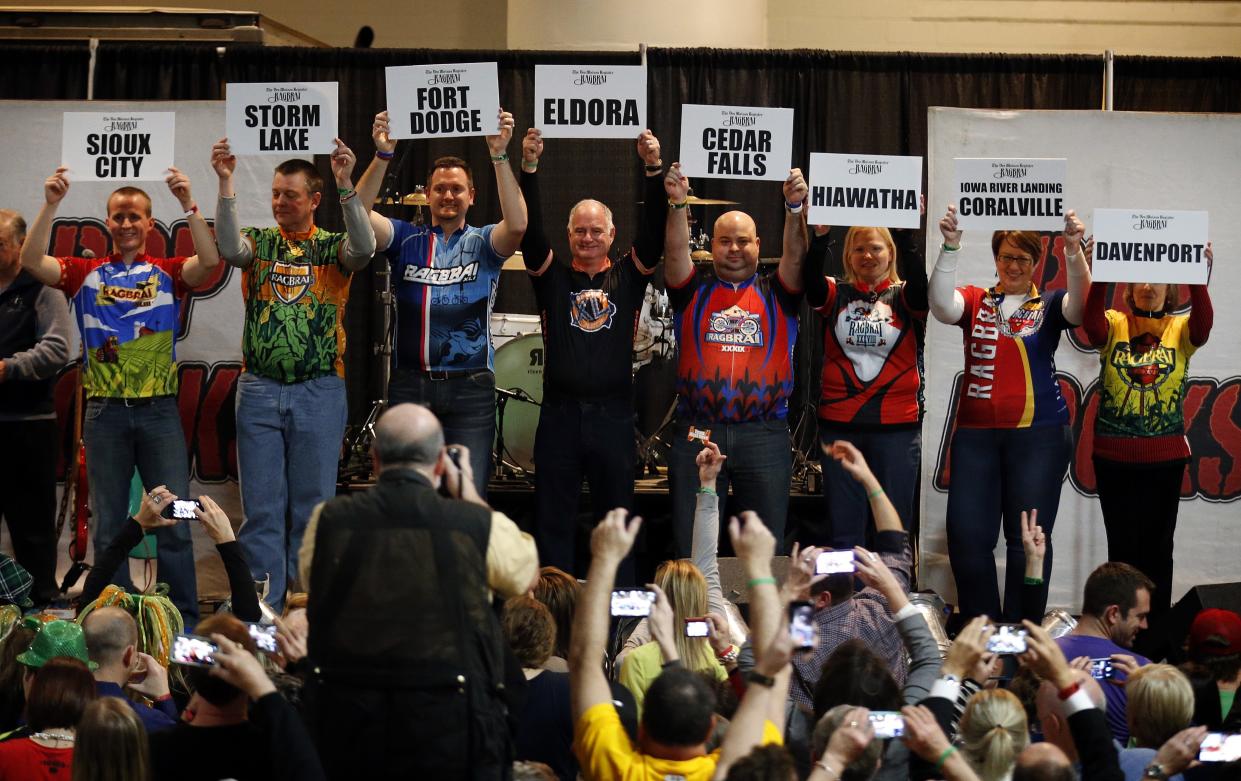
752,582
708,491
1069,691
529,167
1029,581
344,191
344,198
500,158
730,655
651,169
939,763
163,698
948,247
794,209
877,492
384,155
190,212
827,768
755,676
676,205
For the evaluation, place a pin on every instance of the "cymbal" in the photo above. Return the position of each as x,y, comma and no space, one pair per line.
412,199
694,200
700,254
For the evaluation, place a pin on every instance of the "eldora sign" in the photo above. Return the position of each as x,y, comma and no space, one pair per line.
1150,245
282,118
428,101
865,190
1010,193
736,142
113,146
590,101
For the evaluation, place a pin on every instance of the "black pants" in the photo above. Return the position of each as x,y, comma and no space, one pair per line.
578,439
1140,503
28,499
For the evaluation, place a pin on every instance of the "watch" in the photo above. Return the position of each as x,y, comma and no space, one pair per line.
758,678
1156,771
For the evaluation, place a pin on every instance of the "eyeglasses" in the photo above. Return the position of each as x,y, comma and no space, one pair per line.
1022,261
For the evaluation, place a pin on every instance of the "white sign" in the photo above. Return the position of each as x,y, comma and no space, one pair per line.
590,101
286,118
1150,245
442,101
865,190
736,142
1010,194
118,145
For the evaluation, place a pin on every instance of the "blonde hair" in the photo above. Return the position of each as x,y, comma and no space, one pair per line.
1161,704
687,593
993,732
857,233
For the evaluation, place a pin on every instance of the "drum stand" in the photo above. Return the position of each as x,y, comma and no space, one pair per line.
508,467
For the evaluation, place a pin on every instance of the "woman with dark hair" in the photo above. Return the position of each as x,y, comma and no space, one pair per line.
1139,436
1214,669
57,694
545,723
874,325
12,694
1012,441
111,744
558,590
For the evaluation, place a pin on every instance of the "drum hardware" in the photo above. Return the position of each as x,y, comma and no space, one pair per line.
503,396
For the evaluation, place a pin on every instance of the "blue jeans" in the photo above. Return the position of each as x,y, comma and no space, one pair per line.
466,407
893,455
997,473
288,452
146,434
759,469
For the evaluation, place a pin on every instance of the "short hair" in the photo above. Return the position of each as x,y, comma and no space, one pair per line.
108,632
1169,300
1113,583
839,585
855,234
867,762
62,689
607,213
15,222
296,165
1029,242
678,709
1044,770
212,689
111,743
993,732
129,191
855,675
448,161
765,763
558,590
529,630
1160,704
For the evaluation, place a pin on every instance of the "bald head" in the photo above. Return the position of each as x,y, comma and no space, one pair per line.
109,632
408,434
734,247
1043,762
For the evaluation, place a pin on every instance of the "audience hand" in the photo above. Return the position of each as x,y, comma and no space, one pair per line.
988,666
718,635
379,133
531,148
968,648
676,184
154,678
343,161
710,461
1034,542
214,521
801,574
153,503
776,657
922,733
648,147
1074,230
1045,658
292,632
459,481
661,623
237,666
1080,663
56,187
613,538
752,542
179,185
795,189
874,573
1127,664
1180,750
849,740
852,461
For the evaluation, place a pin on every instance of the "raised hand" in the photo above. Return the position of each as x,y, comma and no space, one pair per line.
379,133
717,633
676,184
235,665
153,503
662,623
1074,230
751,539
648,147
948,227
532,148
922,733
1044,656
292,634
222,159
613,538
850,459
56,187
801,573
499,142
154,681
1033,540
215,521
795,189
343,161
710,461
968,648
179,186
874,573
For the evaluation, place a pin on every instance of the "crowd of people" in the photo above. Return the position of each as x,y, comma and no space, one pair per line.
416,633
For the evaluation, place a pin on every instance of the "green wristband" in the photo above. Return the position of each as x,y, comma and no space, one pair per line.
500,158
939,763
877,492
949,247
708,491
1029,581
752,582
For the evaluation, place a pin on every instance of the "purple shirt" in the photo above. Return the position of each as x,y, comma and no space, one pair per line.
1113,690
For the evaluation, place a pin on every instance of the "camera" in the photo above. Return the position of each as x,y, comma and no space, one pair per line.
181,509
630,602
801,624
1008,639
831,562
194,650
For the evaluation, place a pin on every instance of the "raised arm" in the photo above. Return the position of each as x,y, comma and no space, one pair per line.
359,244
45,268
1034,543
794,251
814,283
245,599
147,520
947,304
199,267
1094,313
1074,303
506,237
677,264
1202,314
610,543
911,265
536,250
372,179
649,241
235,249
754,545
704,541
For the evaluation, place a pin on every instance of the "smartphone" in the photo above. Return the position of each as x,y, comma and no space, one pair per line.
801,624
1101,669
697,627
1008,639
632,602
1220,747
831,562
182,509
264,636
887,724
194,651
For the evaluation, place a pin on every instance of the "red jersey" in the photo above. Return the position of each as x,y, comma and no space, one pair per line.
22,759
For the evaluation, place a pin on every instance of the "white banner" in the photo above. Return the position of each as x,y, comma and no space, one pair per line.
590,101
115,146
1010,193
879,190
1150,245
1159,162
736,142
287,118
442,101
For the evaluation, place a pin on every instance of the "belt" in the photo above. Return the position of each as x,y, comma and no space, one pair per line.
450,374
130,402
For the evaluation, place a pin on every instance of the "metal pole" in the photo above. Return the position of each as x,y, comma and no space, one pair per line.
90,70
1109,74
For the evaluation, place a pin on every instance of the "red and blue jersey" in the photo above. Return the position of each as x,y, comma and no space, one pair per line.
1010,365
736,348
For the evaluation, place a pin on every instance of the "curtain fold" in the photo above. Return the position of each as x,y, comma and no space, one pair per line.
44,71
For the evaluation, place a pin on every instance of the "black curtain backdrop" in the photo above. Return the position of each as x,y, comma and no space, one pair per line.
845,101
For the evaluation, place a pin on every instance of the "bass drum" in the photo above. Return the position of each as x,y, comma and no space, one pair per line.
519,367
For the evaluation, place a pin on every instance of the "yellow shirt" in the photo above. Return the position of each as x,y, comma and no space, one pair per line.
603,749
644,664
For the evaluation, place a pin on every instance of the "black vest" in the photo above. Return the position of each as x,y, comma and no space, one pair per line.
19,332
